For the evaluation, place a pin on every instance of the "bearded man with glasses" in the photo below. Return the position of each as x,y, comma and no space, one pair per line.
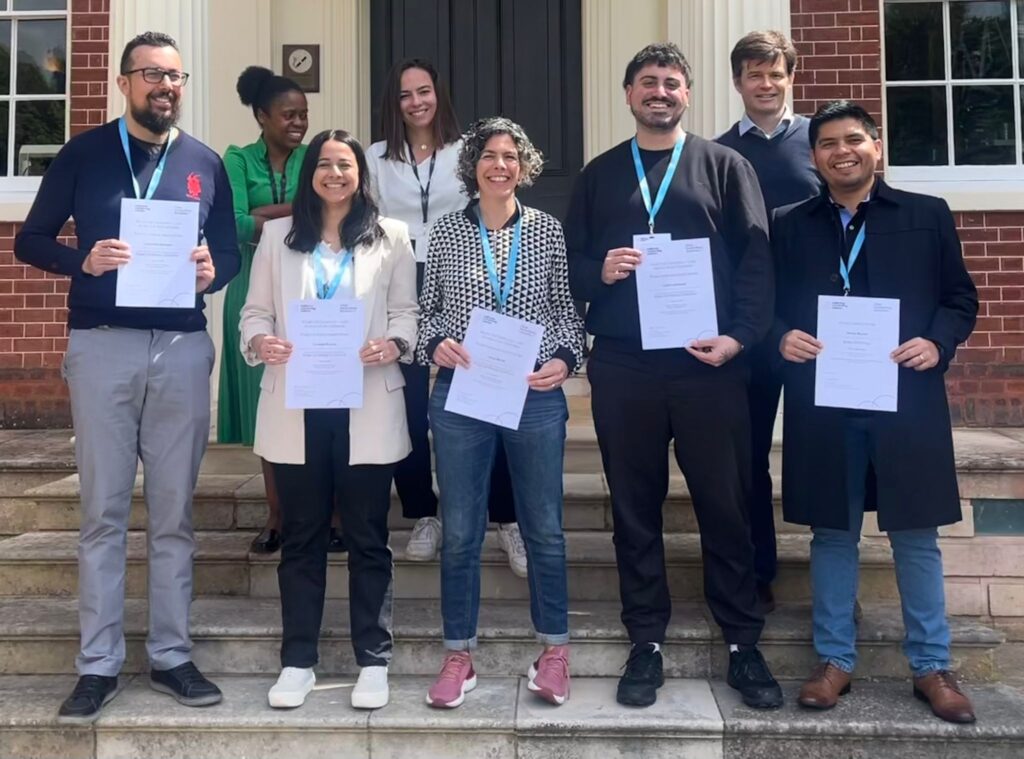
139,377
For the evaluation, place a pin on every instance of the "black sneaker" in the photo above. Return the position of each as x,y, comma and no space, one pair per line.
639,684
90,694
749,674
336,542
186,684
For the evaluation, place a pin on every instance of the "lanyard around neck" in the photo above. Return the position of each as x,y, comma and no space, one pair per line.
325,290
641,178
424,191
844,267
501,294
283,197
122,128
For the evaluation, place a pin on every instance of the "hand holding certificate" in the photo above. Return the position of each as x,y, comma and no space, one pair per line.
675,291
162,235
855,368
325,370
503,352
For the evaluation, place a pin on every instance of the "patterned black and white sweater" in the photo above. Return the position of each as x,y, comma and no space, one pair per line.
456,282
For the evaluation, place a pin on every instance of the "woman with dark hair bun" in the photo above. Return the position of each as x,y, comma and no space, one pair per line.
263,176
336,247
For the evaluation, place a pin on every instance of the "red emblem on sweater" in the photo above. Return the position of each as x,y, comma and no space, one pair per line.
195,186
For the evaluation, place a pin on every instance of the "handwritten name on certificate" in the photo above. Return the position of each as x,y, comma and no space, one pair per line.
854,369
161,272
324,370
675,291
502,351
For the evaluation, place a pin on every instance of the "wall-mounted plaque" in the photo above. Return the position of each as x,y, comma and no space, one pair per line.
302,64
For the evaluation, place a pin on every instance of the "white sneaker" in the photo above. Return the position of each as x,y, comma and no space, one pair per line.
371,689
511,542
292,687
425,540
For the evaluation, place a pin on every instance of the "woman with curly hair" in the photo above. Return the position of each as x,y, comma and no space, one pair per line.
499,255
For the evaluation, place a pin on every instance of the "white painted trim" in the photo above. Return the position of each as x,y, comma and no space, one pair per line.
968,196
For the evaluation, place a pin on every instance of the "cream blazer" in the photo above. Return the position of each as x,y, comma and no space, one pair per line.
385,281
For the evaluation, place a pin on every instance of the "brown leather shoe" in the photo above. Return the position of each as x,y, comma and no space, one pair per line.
943,694
824,687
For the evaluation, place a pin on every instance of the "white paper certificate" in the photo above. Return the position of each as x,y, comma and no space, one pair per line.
854,369
502,351
162,234
324,370
675,291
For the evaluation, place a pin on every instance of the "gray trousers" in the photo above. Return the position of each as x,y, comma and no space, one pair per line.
137,394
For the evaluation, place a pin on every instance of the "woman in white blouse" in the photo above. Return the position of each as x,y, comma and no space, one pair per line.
334,246
414,168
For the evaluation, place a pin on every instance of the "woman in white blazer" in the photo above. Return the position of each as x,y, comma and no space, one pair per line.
334,246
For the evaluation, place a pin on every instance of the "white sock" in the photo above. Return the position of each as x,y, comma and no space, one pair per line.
733,648
657,648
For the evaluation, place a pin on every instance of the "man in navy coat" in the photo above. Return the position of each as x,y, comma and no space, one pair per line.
863,238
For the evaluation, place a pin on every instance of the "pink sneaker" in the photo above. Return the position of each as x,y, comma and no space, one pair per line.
457,678
549,675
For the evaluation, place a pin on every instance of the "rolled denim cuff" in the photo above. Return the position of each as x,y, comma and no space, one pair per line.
547,639
460,645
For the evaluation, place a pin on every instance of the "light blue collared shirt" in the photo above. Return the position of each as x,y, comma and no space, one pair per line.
747,125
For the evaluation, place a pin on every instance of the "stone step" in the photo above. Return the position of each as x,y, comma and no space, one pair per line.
238,501
243,635
46,564
501,719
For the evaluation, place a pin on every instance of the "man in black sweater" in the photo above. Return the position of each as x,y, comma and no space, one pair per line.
643,399
775,142
138,377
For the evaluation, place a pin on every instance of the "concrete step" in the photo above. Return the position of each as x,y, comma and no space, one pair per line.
501,719
46,564
240,636
238,501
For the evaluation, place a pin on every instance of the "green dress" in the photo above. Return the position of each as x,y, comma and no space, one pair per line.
250,176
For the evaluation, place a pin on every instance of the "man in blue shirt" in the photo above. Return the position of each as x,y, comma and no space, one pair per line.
775,142
138,377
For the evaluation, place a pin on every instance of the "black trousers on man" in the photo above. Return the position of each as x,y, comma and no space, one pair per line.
307,500
413,475
639,408
763,394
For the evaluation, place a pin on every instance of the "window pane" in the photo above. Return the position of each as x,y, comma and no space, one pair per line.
40,5
3,138
38,135
5,57
918,135
1020,35
983,128
41,58
913,42
980,39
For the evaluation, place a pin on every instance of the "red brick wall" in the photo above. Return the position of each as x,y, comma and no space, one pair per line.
33,335
839,43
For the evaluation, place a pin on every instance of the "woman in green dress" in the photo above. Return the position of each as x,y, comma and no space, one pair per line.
263,177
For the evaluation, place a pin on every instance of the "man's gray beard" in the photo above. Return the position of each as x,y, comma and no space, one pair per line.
156,123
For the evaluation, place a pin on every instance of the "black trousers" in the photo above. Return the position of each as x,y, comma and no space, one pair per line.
637,413
413,478
763,393
307,500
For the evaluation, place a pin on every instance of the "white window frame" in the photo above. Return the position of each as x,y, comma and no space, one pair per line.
965,187
17,193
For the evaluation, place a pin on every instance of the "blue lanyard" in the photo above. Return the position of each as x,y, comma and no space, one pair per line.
513,257
157,174
641,178
325,290
846,268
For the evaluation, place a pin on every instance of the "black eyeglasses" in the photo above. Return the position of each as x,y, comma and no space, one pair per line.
156,75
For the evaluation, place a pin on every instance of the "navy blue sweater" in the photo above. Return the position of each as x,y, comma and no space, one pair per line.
783,163
87,181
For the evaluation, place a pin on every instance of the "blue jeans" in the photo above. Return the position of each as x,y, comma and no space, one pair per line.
834,567
464,449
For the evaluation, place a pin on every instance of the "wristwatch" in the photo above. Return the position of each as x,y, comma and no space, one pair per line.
402,345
